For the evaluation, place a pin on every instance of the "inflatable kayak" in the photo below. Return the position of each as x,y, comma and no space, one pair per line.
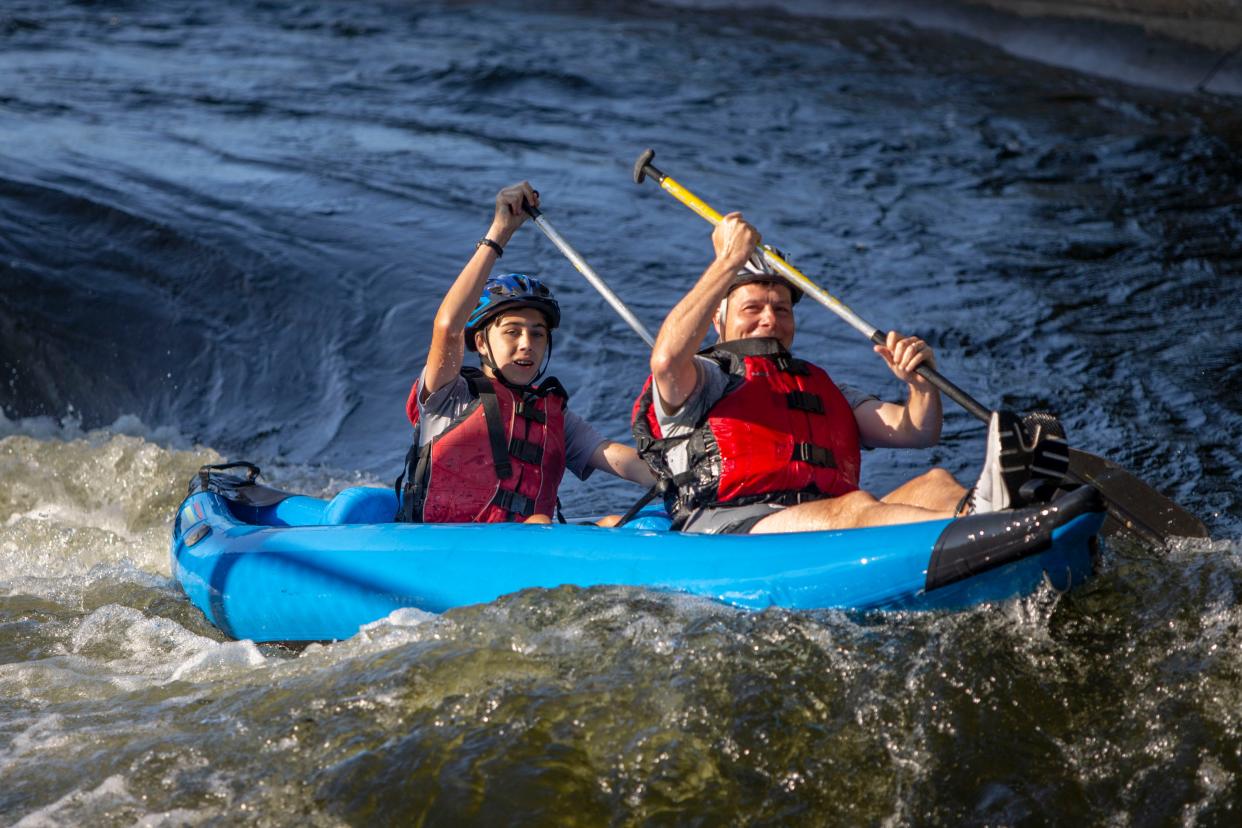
268,565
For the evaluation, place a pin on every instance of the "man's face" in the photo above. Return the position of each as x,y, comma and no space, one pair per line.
759,309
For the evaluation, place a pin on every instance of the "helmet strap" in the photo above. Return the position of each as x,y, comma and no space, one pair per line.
547,360
485,353
486,358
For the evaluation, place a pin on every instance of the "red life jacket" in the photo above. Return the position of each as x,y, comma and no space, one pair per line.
782,433
501,460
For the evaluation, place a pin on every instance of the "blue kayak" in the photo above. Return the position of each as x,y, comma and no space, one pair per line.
268,565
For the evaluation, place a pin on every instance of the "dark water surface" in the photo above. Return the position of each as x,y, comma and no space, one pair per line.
225,228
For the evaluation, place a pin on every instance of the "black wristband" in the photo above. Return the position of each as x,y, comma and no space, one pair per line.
500,251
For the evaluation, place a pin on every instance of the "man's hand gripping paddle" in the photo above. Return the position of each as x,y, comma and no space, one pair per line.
1132,504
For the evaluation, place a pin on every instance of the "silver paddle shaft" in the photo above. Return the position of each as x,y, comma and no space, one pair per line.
873,333
590,275
818,293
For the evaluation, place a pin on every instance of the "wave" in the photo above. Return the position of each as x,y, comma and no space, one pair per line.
1138,43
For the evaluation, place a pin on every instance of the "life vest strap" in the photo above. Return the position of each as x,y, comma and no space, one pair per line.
788,498
815,455
411,485
530,412
482,388
514,503
790,365
526,451
805,401
665,483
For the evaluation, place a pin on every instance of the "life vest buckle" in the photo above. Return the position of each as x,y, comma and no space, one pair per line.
815,455
805,401
514,503
526,451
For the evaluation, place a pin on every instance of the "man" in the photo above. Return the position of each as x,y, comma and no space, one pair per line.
752,440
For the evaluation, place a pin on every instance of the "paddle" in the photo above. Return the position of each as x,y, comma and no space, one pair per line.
1132,504
591,276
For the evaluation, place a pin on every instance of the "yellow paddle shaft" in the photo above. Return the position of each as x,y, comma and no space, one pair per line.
797,277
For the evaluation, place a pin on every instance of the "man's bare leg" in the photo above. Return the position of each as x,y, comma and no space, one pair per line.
849,511
936,490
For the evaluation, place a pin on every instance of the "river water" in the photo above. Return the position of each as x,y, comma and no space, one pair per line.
224,230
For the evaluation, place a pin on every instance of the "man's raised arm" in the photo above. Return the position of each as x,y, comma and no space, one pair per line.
672,359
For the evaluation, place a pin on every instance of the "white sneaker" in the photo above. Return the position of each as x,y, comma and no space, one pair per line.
1001,463
1016,471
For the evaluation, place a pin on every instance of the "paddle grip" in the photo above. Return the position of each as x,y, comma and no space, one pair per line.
643,167
944,385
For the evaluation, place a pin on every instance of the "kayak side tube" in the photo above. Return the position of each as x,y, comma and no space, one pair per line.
974,544
287,572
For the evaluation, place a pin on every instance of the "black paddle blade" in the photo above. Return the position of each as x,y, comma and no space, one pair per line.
1133,506
1046,461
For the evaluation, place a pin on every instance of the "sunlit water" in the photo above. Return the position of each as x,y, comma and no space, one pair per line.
224,228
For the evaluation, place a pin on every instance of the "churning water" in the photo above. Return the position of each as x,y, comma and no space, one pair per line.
224,230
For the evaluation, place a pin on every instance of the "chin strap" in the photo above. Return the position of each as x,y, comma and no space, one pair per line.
547,360
488,361
485,355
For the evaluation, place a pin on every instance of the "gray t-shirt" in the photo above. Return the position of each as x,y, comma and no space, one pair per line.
709,387
448,403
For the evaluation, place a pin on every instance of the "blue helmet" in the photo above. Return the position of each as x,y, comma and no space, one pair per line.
508,292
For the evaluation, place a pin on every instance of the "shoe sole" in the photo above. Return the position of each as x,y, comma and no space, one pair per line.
1013,463
1049,448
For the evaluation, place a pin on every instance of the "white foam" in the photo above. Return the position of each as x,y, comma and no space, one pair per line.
169,437
109,794
42,428
132,650
175,817
69,502
44,733
401,626
69,427
109,517
227,658
403,617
